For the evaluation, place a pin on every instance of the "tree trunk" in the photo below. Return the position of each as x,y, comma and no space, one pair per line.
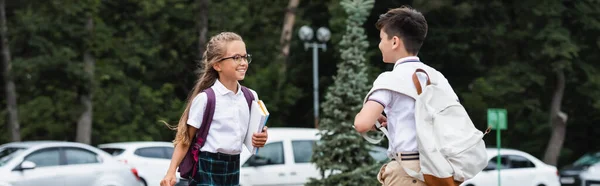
11,92
202,26
558,122
288,26
286,37
84,125
284,42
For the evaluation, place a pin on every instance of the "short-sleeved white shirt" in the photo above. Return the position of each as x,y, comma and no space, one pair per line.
400,108
230,120
400,111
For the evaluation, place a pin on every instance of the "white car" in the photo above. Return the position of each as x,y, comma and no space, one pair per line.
585,171
151,158
60,163
285,158
517,168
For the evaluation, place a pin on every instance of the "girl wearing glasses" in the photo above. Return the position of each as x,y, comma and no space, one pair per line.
225,63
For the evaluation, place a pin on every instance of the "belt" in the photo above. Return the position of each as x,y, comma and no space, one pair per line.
407,156
220,156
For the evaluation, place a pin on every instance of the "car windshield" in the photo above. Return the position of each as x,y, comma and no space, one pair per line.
113,151
6,154
588,159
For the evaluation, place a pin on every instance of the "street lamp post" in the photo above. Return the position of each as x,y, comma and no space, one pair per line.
323,35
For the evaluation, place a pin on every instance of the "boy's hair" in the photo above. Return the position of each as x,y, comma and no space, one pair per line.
406,23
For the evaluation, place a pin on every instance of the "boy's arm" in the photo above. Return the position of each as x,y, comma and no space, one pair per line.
365,119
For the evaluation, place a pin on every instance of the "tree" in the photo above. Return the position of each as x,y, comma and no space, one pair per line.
286,32
284,44
202,26
11,93
84,124
545,54
341,149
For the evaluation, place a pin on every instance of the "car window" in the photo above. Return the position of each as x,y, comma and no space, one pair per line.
6,154
45,157
151,152
493,164
588,159
168,152
75,156
273,152
517,161
303,150
113,151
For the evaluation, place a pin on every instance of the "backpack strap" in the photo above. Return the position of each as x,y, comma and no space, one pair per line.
373,140
248,95
416,80
202,132
191,158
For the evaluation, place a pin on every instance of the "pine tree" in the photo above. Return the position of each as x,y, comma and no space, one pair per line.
342,150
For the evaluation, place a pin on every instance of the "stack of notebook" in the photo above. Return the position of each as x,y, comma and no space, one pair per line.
258,118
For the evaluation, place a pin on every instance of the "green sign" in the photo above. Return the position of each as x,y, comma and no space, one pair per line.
497,118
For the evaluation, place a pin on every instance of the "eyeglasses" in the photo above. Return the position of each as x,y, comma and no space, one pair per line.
238,58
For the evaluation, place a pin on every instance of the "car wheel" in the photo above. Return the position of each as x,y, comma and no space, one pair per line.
470,185
541,185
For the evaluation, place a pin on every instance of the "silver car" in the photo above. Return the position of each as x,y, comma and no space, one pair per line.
61,163
150,158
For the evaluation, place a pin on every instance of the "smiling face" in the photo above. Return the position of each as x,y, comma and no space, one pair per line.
234,63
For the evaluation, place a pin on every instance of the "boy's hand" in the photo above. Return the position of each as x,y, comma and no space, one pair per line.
259,139
382,120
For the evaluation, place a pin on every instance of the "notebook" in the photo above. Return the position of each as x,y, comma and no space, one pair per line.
258,119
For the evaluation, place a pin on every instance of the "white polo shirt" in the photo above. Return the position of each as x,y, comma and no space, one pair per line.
400,111
230,121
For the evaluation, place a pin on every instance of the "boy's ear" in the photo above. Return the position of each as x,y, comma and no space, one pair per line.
396,42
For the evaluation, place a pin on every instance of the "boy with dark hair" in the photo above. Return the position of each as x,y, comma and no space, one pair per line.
402,32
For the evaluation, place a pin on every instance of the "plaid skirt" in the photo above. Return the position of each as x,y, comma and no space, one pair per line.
217,169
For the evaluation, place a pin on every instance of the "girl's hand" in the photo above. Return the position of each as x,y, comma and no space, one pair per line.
259,139
169,180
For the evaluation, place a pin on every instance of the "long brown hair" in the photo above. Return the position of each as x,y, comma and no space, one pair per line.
215,49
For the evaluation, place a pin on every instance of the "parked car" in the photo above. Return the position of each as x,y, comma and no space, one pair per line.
59,163
151,158
516,168
584,171
285,158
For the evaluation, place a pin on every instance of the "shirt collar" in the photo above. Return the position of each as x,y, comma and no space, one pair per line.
407,59
221,89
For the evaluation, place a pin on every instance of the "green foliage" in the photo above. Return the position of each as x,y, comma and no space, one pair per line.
495,54
507,55
145,64
341,149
